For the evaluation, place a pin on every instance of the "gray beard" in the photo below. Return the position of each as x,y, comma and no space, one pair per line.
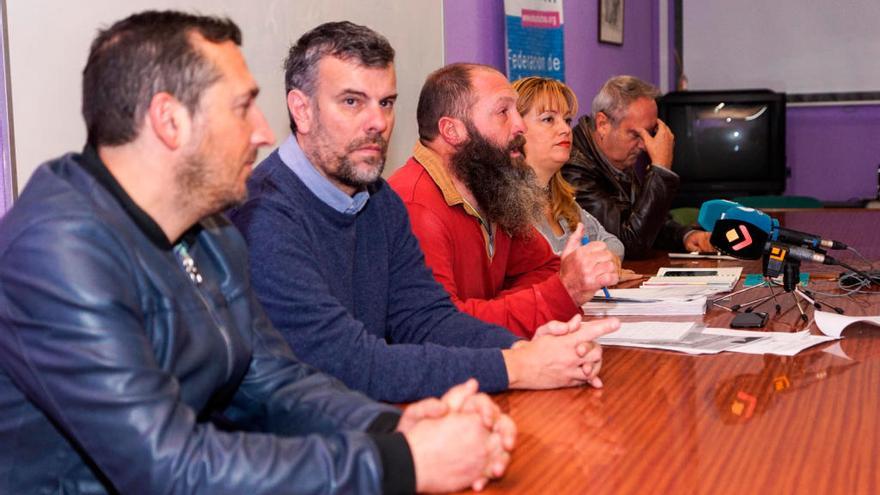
346,172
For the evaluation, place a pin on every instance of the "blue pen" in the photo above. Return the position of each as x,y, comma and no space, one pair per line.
584,241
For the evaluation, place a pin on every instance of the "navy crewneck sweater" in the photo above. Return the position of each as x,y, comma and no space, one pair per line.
353,296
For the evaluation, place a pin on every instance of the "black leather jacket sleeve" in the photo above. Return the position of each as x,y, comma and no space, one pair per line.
658,190
75,342
640,222
637,224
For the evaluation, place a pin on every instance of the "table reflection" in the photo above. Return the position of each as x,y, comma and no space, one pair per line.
740,398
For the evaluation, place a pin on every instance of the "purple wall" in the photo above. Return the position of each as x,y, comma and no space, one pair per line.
833,152
474,32
588,63
7,186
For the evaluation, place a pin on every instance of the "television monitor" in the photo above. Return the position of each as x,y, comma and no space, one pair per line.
727,143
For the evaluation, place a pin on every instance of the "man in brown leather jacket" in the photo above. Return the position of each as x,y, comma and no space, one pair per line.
607,145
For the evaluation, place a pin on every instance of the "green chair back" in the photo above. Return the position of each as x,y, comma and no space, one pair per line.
685,216
760,202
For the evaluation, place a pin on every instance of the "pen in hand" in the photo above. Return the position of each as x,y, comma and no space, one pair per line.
584,241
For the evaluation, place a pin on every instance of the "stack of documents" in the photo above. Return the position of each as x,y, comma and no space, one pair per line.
718,279
683,300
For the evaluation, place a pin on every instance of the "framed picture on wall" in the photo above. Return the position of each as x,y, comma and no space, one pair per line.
611,21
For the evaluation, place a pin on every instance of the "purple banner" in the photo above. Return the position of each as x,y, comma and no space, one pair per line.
7,184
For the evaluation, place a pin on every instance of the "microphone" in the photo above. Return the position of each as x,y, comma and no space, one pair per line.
795,237
780,251
739,238
716,209
745,240
711,211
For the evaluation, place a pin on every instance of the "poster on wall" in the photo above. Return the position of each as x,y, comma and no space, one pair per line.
534,38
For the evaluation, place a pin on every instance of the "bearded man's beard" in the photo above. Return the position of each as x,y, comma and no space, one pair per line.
504,186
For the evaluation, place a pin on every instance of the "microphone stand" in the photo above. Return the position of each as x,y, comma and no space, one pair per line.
790,271
736,307
745,239
751,305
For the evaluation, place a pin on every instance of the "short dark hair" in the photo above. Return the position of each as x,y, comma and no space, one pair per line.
140,56
344,40
447,92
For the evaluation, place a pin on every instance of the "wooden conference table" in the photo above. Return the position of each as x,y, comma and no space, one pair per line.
729,423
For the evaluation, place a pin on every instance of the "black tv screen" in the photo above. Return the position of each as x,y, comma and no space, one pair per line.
727,143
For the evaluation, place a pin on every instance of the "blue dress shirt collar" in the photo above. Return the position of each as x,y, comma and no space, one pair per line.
292,156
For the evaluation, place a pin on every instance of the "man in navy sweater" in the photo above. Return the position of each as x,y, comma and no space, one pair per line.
334,260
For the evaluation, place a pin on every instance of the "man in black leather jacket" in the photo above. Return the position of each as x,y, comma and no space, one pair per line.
134,356
607,146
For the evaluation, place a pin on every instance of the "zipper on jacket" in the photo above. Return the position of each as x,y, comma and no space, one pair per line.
192,271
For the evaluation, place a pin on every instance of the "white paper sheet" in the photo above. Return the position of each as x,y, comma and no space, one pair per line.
671,300
724,279
833,324
779,343
697,340
650,331
681,293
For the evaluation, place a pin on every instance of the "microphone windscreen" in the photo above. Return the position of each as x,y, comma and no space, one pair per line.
756,218
711,211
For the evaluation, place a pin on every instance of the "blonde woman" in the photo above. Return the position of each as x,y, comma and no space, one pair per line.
547,107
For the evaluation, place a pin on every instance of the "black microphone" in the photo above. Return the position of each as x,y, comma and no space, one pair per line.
739,238
802,238
745,240
781,251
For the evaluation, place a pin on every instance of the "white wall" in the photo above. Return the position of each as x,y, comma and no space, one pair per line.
49,41
785,45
